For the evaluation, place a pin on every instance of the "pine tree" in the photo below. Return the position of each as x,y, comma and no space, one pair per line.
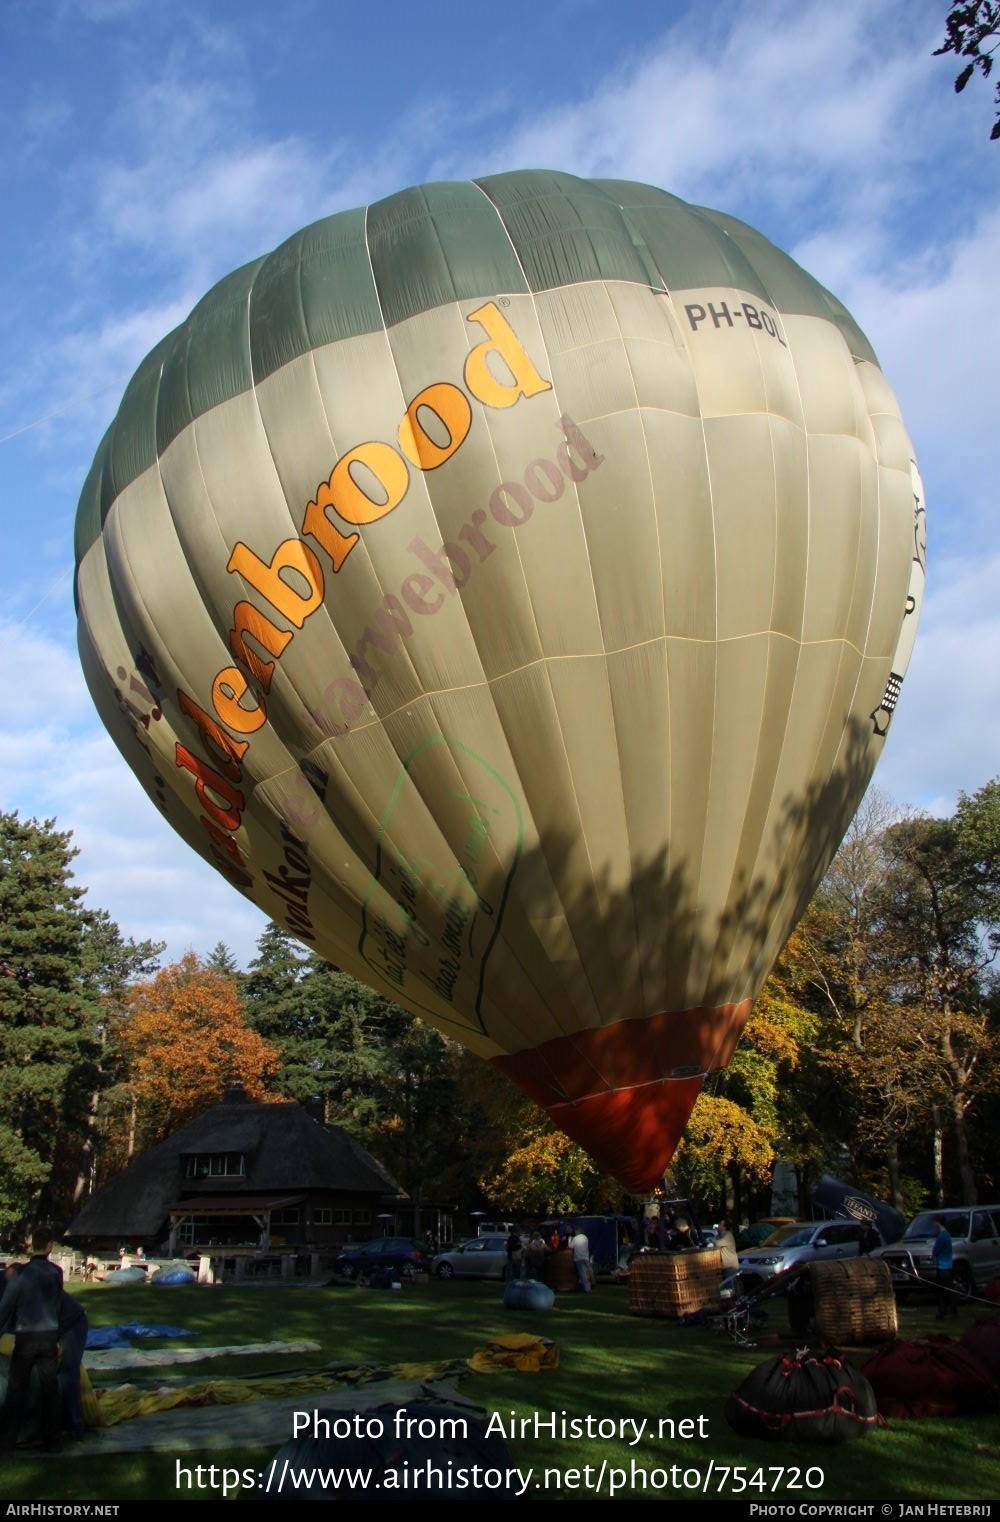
49,1016
221,959
317,1018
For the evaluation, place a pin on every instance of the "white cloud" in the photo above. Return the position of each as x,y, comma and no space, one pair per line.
933,328
779,104
197,210
44,691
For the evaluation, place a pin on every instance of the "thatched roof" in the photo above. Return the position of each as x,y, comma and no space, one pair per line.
287,1151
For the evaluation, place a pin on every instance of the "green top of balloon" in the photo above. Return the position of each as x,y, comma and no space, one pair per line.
364,270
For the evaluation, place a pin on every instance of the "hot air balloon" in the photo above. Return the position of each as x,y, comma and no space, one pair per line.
508,586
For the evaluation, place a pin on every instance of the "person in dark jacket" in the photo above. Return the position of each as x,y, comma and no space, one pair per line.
30,1305
73,1328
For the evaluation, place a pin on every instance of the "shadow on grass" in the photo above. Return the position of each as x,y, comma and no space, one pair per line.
614,1367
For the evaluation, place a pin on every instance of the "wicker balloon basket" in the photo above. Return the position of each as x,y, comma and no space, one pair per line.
560,1271
674,1284
853,1301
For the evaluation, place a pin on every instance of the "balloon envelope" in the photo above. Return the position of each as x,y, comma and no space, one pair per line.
508,587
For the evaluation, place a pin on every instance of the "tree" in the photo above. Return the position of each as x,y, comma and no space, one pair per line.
221,959
901,938
184,1039
720,1135
415,1134
111,963
48,1017
328,1028
508,1147
850,954
547,1174
945,906
968,30
768,1078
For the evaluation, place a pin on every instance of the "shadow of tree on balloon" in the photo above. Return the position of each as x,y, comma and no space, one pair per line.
677,934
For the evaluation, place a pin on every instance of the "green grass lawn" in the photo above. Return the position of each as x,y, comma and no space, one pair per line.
612,1366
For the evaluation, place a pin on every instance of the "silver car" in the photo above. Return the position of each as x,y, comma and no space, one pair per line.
975,1238
804,1242
479,1258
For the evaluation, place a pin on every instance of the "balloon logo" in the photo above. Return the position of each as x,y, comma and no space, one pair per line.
508,586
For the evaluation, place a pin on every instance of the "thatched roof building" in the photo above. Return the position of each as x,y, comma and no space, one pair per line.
262,1175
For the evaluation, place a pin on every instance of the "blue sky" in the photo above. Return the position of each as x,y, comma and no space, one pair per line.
149,149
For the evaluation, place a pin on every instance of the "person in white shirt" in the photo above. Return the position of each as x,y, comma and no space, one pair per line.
580,1248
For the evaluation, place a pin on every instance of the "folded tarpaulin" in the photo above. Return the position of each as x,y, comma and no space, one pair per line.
121,1336
154,1358
521,1350
119,1403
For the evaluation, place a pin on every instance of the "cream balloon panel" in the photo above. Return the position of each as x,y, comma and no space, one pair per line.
438,505
826,731
739,369
678,465
371,934
286,806
814,835
142,722
166,553
142,550
843,522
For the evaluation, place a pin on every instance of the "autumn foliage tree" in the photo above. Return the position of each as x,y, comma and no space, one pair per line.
721,1136
545,1173
184,1039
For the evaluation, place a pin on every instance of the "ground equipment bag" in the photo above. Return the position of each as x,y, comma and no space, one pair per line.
930,1376
804,1397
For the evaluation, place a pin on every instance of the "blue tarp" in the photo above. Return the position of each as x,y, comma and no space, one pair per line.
121,1336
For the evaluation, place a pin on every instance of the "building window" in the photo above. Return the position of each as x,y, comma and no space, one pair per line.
288,1217
216,1165
322,1215
362,1218
342,1217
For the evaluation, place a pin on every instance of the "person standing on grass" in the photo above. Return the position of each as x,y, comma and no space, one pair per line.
943,1255
31,1304
580,1247
536,1255
73,1328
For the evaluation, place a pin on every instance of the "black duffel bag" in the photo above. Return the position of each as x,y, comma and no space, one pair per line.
804,1397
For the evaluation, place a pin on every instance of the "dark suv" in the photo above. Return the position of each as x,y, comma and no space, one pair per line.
975,1235
396,1253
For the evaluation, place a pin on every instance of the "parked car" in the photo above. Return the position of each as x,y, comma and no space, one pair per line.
975,1236
762,1230
479,1258
803,1242
384,1252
